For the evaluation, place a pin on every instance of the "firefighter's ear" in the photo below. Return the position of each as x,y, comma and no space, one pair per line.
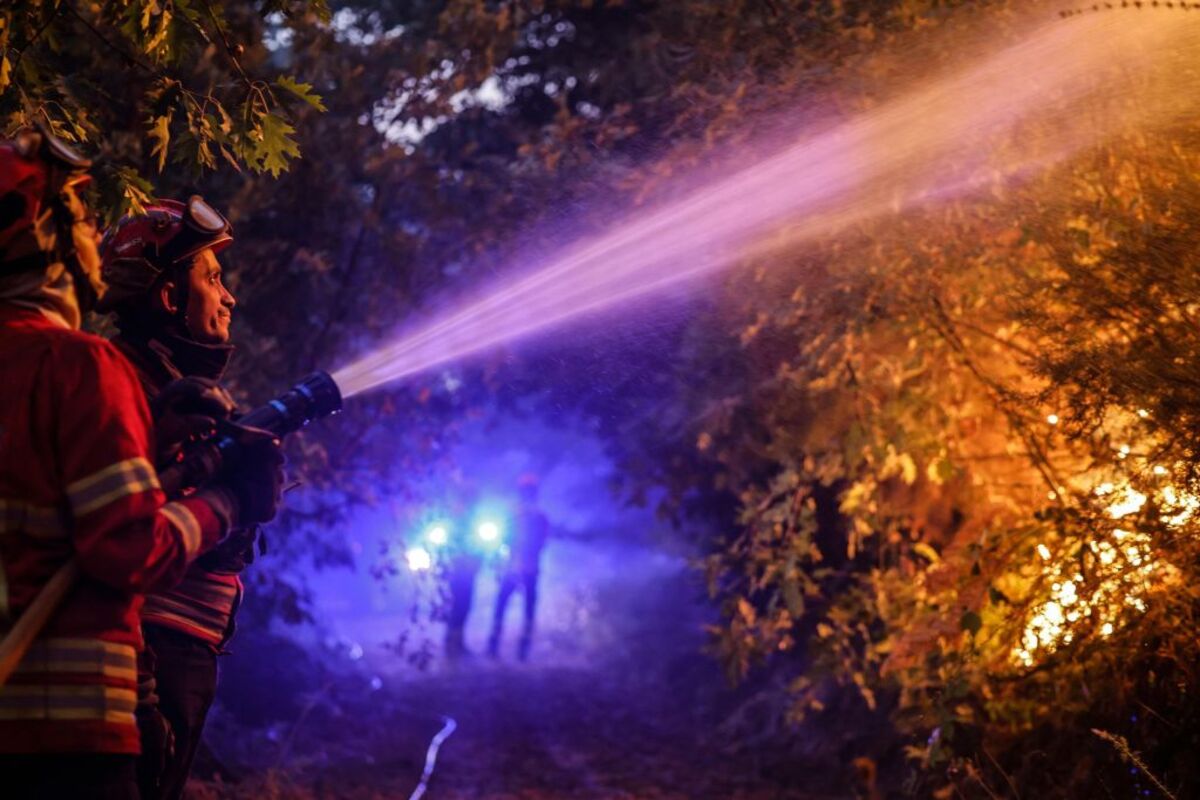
168,297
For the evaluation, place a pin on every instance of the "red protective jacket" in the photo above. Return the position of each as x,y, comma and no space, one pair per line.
202,605
76,481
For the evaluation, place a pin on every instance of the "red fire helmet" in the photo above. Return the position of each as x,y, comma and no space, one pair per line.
36,168
140,248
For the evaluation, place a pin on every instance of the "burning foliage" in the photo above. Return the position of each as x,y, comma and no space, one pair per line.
972,497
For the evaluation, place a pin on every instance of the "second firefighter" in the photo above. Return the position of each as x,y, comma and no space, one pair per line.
173,312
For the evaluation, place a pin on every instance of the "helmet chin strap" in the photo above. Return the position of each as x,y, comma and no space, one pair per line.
179,276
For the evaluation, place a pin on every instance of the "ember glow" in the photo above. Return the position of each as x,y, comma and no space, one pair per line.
1061,89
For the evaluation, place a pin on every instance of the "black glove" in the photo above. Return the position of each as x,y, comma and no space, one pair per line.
185,411
232,553
255,476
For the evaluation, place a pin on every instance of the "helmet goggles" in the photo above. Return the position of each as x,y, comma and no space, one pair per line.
40,179
189,228
37,142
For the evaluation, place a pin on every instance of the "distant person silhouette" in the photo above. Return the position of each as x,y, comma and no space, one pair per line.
461,570
462,564
530,530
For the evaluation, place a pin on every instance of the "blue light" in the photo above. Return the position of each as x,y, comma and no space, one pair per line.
418,559
488,532
437,535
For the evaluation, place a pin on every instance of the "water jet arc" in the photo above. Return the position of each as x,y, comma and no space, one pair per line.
1048,97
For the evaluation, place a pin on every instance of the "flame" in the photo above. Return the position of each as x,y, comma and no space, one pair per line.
1125,569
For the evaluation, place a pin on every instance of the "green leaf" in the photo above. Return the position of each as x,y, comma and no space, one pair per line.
148,11
971,622
303,91
226,123
273,144
159,134
149,24
121,191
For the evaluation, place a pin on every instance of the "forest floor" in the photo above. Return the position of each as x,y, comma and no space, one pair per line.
641,719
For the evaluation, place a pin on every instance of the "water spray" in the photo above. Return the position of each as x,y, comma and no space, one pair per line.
314,397
996,120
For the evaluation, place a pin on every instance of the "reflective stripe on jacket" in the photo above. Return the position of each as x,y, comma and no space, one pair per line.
76,482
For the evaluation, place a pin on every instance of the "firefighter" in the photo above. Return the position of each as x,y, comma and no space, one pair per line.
461,564
529,534
173,311
77,486
462,567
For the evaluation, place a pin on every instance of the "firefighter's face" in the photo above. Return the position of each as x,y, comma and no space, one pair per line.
210,304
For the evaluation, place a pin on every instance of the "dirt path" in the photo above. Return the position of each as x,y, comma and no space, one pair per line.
636,718
542,733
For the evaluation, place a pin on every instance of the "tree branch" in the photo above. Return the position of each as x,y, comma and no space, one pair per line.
108,43
229,51
33,39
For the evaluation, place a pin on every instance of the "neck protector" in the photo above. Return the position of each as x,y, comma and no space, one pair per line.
173,355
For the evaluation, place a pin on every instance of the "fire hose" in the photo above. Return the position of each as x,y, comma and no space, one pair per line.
431,753
316,396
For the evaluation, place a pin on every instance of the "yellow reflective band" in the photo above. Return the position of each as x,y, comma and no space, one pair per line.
80,656
37,521
194,614
106,703
184,521
111,483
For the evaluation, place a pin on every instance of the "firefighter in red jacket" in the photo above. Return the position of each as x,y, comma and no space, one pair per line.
173,311
76,482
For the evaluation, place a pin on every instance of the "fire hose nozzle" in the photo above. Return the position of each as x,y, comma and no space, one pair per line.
314,397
